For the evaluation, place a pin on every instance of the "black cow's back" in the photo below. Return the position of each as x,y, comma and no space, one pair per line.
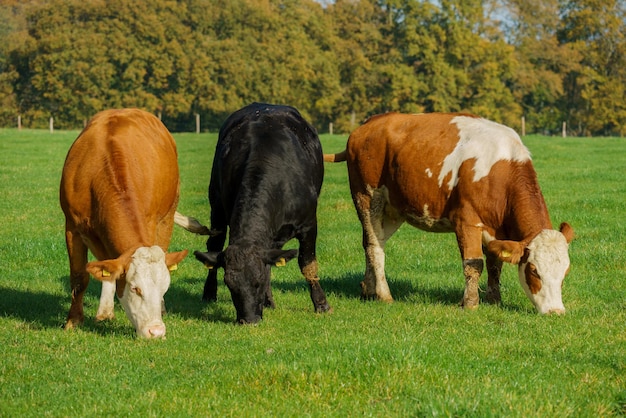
268,167
265,182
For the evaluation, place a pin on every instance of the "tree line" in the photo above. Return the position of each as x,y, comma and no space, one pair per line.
548,61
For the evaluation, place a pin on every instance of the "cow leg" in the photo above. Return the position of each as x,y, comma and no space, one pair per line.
379,222
214,243
269,298
494,268
470,244
107,300
79,278
308,266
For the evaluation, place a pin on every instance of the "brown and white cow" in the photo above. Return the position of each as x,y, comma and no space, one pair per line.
463,174
119,192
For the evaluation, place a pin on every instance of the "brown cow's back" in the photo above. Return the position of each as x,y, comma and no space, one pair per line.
120,180
456,173
119,192
412,157
386,151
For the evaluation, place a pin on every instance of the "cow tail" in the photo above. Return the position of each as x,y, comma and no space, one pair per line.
191,224
335,158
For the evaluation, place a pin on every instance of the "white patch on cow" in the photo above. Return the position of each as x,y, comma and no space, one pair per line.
486,236
548,253
382,222
485,141
147,280
429,173
107,301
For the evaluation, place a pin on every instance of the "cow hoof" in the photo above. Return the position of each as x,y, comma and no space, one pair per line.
209,299
72,323
469,306
385,298
105,316
365,295
325,307
493,297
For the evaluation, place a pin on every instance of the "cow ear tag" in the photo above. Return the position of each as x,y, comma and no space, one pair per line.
505,253
208,266
105,273
281,262
173,267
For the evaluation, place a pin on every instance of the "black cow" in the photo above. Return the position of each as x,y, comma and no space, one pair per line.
266,179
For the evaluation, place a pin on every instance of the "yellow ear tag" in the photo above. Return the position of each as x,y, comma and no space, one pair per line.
173,267
208,266
506,253
281,262
105,273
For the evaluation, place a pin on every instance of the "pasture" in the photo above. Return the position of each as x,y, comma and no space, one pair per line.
420,356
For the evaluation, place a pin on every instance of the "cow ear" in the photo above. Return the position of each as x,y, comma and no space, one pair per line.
172,259
211,259
109,270
567,230
507,251
278,257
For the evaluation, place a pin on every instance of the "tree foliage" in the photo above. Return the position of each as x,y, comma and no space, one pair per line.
547,60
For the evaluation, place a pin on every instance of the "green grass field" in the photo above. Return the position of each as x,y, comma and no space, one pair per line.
420,356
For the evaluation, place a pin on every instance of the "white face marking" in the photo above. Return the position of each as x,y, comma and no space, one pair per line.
485,141
429,173
548,254
147,280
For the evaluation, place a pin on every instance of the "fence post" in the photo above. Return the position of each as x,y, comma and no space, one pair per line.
51,124
564,131
330,128
523,126
19,122
197,123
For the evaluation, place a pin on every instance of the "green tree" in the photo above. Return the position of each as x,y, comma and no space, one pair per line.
356,43
9,27
460,59
551,61
594,97
543,63
83,57
272,51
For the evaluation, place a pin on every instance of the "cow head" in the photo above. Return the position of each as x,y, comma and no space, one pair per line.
247,275
143,277
542,265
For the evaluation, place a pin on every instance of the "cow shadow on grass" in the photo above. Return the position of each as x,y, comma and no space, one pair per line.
184,298
348,285
41,310
38,309
407,291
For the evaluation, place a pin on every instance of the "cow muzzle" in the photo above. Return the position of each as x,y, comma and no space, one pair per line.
250,320
556,311
153,331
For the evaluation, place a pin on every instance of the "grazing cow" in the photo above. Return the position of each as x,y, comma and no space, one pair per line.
265,182
119,191
456,173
